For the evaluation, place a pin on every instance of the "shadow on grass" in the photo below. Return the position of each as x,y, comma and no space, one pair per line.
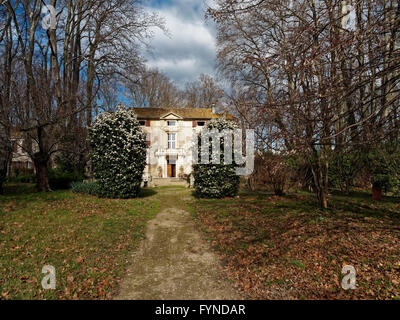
198,197
14,189
195,195
24,193
147,192
364,195
28,190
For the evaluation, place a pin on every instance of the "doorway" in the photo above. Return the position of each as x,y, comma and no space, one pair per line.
171,166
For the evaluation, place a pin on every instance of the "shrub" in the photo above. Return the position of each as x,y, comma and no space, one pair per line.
22,178
22,175
384,164
60,180
91,188
25,178
22,172
216,180
272,171
344,167
118,154
71,162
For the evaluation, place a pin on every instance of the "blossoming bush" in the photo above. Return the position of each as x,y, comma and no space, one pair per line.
118,153
216,180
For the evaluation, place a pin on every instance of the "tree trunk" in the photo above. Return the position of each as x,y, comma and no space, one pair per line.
323,198
4,163
1,183
319,169
348,182
42,172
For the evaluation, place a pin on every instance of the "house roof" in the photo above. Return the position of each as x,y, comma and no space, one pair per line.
185,113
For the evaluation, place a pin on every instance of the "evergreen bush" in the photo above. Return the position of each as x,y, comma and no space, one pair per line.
118,153
216,180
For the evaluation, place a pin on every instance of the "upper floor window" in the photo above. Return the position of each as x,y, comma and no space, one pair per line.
171,123
198,123
171,141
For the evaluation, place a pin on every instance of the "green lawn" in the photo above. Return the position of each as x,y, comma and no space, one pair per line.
88,241
285,247
272,247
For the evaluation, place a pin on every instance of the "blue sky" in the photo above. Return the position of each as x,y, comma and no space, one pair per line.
189,49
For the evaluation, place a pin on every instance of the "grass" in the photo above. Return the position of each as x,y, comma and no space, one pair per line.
273,247
264,238
88,240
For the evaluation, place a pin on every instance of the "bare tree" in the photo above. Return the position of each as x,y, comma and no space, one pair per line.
153,89
203,93
60,69
7,57
319,82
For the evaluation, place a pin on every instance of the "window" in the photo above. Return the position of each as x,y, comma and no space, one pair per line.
171,123
171,141
201,123
142,122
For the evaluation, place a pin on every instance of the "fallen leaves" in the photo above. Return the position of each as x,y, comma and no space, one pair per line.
299,252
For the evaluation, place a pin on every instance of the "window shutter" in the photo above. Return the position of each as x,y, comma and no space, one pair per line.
15,147
147,123
148,139
194,124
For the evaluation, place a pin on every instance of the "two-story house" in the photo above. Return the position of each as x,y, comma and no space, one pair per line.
169,138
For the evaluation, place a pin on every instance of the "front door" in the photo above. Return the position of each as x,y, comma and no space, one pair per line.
171,166
171,170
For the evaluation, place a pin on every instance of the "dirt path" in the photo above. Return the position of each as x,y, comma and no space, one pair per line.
174,261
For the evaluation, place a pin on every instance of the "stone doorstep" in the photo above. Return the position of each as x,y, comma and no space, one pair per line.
168,182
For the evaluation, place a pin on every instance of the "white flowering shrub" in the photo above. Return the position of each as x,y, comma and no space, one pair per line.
118,153
216,180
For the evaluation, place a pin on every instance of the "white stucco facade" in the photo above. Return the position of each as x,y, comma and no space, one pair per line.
170,133
170,141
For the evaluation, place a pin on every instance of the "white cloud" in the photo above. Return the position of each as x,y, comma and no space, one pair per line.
190,48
